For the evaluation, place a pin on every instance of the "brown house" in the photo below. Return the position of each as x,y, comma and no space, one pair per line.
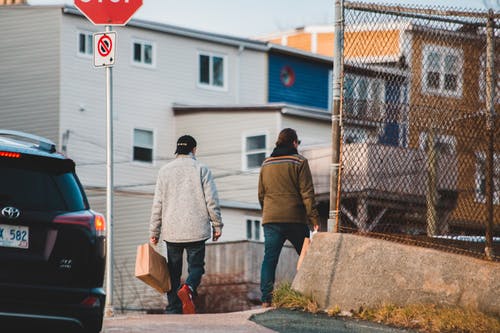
436,94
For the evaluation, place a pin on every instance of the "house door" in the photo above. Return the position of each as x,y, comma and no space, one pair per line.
390,135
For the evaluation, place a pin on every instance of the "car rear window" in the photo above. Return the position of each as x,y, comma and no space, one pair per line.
40,185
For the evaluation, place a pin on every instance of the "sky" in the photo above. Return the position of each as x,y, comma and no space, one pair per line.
251,18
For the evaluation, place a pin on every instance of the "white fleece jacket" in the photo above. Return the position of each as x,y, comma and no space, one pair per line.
185,204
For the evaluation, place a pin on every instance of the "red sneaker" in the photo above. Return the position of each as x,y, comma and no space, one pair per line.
186,296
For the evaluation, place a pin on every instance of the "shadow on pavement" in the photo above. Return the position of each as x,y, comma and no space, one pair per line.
289,321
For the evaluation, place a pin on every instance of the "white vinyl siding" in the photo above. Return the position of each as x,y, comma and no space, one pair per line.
30,69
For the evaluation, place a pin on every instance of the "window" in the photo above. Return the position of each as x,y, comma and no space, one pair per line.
254,229
482,79
442,70
445,144
254,151
85,43
363,96
481,178
143,53
212,70
143,145
355,135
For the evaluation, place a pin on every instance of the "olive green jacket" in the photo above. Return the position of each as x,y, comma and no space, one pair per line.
286,191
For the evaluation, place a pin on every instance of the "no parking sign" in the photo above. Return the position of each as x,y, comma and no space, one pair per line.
104,48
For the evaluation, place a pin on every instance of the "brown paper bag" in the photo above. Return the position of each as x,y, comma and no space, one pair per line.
305,246
151,267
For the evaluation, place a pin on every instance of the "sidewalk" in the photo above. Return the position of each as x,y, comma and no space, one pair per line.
236,322
280,320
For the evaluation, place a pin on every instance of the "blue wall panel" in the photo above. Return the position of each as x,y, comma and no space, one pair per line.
310,87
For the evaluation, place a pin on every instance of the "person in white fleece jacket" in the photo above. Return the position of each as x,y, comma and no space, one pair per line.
185,215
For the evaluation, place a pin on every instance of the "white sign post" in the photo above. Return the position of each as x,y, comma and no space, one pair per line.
104,48
107,13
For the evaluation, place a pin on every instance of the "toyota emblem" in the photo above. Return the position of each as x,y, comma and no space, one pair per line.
11,212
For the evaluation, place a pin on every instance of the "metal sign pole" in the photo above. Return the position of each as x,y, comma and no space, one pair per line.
109,189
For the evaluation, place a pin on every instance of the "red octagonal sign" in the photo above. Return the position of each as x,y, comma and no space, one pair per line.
108,12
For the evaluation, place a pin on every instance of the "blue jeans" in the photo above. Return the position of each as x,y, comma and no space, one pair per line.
196,263
275,235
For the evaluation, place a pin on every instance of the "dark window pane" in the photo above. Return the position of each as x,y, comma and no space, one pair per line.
256,142
90,44
143,154
433,80
204,69
257,229
148,54
137,52
255,160
249,229
218,71
81,43
450,82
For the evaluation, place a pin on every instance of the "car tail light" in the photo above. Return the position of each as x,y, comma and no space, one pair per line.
9,154
91,302
100,225
87,220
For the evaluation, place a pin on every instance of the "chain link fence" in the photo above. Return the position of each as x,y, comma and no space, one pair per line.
421,135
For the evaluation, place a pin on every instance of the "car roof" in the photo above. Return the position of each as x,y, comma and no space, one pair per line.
24,143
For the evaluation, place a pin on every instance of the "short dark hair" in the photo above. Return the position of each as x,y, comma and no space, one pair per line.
185,145
286,138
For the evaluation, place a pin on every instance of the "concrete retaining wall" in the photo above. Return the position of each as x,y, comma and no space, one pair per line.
351,271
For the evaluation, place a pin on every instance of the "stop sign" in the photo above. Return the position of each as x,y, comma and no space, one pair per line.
108,12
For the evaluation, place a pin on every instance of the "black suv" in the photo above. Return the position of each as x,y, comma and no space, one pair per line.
52,245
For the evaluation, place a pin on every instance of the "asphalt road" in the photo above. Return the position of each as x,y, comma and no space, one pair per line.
282,320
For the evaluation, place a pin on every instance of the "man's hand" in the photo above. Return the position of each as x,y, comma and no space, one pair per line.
216,235
154,240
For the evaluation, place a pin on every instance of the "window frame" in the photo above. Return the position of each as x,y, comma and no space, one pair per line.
251,223
374,106
152,148
480,177
245,152
442,51
210,85
141,63
441,139
482,79
88,34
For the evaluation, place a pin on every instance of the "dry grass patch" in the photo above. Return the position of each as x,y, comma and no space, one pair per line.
431,318
425,318
285,297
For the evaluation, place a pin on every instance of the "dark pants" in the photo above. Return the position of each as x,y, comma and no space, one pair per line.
275,236
196,262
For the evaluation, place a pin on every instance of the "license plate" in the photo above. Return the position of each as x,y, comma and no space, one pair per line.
14,236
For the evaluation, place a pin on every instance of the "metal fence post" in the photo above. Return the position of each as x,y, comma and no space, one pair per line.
333,216
431,192
490,129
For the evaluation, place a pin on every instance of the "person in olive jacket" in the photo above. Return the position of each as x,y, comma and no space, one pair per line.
286,195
